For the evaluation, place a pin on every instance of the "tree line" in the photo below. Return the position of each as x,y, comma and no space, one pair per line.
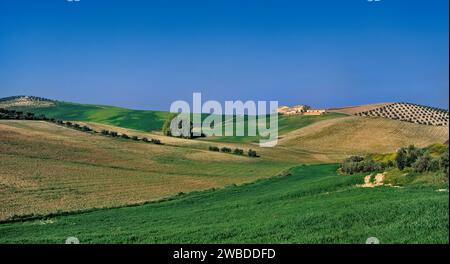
236,151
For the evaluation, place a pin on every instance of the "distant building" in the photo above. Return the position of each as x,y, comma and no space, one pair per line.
295,110
315,112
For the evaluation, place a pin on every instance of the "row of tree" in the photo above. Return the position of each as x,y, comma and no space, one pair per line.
418,159
114,134
19,115
236,151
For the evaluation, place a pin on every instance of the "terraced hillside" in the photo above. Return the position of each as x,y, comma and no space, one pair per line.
46,168
413,113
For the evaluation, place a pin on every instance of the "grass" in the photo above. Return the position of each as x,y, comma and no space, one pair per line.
310,204
409,177
286,124
359,136
45,168
144,120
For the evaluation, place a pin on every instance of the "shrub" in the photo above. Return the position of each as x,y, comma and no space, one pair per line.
125,136
443,162
155,141
86,128
252,153
105,132
113,134
135,138
400,158
225,150
145,139
423,163
214,148
238,151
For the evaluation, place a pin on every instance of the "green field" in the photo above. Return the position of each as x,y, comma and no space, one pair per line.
286,124
310,204
145,120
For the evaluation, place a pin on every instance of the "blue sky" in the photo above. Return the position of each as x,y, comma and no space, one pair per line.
146,54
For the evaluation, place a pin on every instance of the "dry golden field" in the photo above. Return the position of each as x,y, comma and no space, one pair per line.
359,135
45,168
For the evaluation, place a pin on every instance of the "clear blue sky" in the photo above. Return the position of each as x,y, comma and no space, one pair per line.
146,54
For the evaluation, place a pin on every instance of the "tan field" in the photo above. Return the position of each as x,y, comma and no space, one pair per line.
47,168
351,110
359,135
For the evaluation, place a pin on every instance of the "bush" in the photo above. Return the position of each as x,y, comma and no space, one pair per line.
145,139
113,134
423,163
125,136
86,128
369,165
155,141
238,151
225,150
105,132
400,158
214,148
443,162
135,138
252,153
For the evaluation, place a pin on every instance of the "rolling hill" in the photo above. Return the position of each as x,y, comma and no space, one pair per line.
413,113
145,120
46,168
358,135
308,204
57,182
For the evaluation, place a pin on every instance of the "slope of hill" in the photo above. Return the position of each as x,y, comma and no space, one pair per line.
413,113
351,110
357,135
286,124
313,204
46,168
145,120
25,101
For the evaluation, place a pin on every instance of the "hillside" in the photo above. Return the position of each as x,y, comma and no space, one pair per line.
357,135
46,168
351,110
413,113
25,101
145,120
310,204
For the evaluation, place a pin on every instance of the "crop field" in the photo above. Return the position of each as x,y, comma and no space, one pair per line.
145,120
359,135
45,168
57,182
286,123
310,204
